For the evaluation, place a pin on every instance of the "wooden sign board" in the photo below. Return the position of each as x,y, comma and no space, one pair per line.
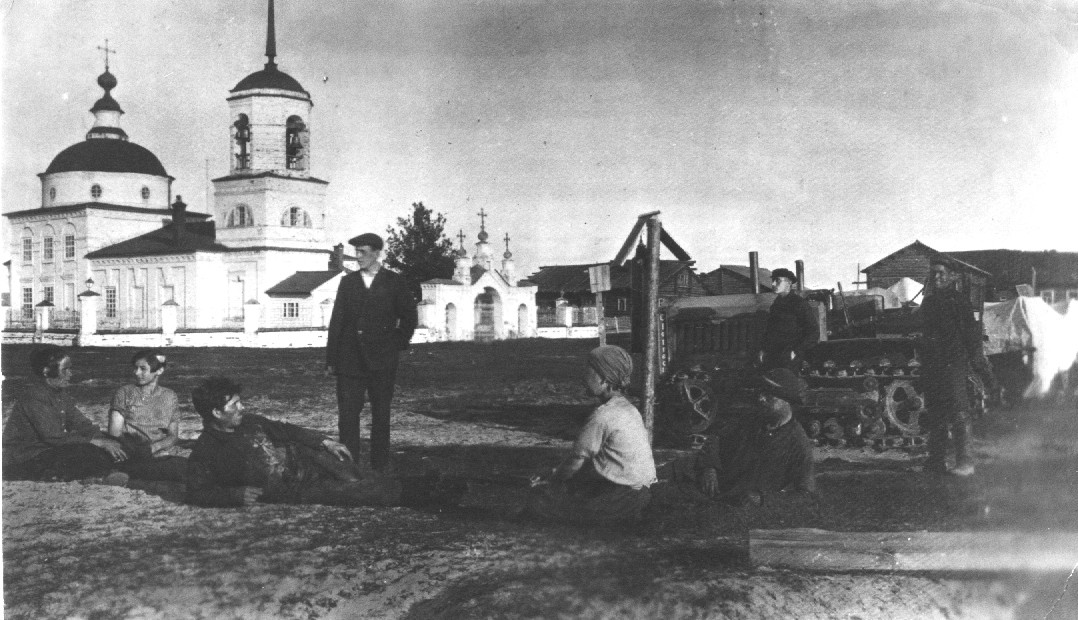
600,278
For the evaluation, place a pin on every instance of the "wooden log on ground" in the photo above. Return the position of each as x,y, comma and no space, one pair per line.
813,549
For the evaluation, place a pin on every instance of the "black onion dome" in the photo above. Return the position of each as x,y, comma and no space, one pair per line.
270,77
106,103
104,155
106,80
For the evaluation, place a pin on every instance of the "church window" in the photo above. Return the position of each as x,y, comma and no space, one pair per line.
110,302
145,193
95,191
296,217
290,310
69,246
27,249
46,248
27,302
242,134
52,193
623,304
295,134
240,217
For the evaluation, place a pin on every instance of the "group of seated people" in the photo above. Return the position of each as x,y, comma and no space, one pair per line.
240,458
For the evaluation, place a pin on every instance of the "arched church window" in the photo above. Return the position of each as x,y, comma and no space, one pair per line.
295,143
239,217
296,218
242,133
95,191
145,193
52,193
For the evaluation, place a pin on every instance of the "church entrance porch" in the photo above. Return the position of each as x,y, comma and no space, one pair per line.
488,315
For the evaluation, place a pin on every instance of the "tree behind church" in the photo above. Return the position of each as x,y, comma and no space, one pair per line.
418,247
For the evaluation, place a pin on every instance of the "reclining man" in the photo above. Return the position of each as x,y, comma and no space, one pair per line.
767,452
240,459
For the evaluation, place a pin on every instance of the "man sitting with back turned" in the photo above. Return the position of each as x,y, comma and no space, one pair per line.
240,459
766,452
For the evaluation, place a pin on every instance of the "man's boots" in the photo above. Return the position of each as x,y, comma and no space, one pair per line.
963,444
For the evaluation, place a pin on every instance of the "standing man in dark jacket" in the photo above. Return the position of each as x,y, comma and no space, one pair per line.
792,325
374,317
952,341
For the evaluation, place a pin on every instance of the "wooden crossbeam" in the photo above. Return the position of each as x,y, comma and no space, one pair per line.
814,549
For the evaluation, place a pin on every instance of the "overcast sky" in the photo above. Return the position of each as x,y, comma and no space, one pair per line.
835,133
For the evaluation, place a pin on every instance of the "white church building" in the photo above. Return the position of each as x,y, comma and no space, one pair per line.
110,253
110,257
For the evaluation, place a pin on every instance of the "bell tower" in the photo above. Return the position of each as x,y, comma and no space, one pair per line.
269,197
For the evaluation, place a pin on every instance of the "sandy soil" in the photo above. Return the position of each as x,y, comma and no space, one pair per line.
495,413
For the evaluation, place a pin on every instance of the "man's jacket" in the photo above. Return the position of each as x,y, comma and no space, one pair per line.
370,326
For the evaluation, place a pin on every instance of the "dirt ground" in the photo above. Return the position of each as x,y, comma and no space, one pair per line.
497,412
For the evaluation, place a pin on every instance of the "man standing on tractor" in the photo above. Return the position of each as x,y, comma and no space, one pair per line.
952,343
792,326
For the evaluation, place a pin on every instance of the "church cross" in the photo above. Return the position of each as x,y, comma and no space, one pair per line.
482,219
461,237
506,242
107,52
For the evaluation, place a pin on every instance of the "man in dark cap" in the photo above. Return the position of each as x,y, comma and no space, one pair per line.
766,452
374,317
952,344
792,325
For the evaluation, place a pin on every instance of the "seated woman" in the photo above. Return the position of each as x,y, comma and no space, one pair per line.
47,437
144,419
605,478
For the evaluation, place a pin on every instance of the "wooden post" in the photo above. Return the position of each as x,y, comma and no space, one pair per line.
600,318
987,551
651,346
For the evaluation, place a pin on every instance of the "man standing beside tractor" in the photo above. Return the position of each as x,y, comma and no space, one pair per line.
792,326
952,346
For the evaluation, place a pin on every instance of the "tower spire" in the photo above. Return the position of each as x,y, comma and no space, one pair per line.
271,39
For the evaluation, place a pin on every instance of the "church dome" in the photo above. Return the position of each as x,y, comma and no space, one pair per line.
269,77
98,155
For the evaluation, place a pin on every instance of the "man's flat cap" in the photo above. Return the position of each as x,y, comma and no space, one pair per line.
783,383
783,272
369,239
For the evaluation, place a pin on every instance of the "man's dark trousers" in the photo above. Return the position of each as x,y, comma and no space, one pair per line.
353,391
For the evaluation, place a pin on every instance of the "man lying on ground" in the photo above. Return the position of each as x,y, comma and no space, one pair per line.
144,418
605,478
243,458
48,438
766,452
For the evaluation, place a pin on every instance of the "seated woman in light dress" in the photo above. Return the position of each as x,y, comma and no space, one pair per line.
143,416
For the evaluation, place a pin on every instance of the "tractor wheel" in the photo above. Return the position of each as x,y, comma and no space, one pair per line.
833,431
875,429
902,406
695,406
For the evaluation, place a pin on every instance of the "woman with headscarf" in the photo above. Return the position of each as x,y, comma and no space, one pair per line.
606,476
